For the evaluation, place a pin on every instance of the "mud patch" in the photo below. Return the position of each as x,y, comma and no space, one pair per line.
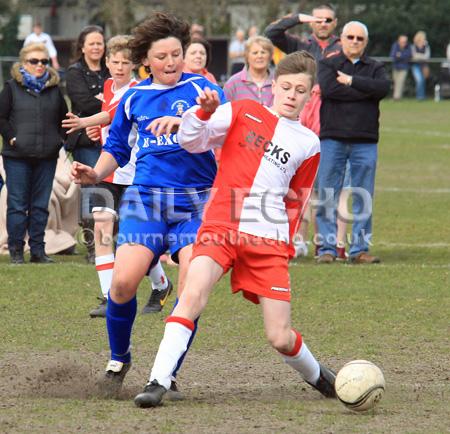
58,375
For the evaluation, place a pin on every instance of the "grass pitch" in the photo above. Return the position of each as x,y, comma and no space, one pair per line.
395,314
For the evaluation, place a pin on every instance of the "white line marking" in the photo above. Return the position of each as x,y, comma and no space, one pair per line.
414,190
413,245
415,132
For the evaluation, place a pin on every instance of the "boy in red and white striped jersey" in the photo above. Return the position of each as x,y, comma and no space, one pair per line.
268,165
106,199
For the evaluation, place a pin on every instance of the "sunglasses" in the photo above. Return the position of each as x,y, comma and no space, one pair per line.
44,62
353,37
325,20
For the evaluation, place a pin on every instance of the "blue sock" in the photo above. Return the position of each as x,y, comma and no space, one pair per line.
119,322
181,359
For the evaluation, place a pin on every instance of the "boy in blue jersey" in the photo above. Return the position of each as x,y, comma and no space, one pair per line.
164,206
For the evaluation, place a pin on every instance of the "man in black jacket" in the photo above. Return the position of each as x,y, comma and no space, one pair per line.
321,43
352,86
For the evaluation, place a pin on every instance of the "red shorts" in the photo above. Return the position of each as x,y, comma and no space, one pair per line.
260,265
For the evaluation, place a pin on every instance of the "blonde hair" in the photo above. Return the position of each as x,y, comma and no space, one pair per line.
420,38
119,44
29,48
261,40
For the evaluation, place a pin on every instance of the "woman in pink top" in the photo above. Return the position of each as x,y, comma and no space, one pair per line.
255,80
196,58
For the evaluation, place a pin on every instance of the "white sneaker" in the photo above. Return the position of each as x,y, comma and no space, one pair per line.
301,249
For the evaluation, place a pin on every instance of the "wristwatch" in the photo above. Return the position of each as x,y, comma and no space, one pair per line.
12,142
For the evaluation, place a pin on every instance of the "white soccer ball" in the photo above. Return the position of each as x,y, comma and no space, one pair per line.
360,385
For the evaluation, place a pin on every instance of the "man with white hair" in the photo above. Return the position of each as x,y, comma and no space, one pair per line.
352,86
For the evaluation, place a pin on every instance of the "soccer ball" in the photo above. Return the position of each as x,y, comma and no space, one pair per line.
360,385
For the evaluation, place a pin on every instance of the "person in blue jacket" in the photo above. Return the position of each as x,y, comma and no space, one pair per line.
163,208
401,56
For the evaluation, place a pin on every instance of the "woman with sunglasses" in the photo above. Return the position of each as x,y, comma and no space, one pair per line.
84,80
32,108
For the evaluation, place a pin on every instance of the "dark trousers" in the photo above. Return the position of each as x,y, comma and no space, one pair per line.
29,183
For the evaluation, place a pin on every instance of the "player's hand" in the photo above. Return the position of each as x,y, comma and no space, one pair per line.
304,18
73,122
94,133
164,125
344,78
208,100
83,174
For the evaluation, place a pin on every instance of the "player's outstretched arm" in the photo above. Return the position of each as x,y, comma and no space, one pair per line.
75,123
83,174
164,125
205,126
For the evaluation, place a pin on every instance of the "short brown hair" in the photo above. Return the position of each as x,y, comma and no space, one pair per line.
119,44
325,6
206,46
36,46
295,63
158,26
78,51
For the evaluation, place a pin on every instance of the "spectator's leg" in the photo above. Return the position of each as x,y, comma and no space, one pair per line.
330,177
420,81
363,162
43,173
18,183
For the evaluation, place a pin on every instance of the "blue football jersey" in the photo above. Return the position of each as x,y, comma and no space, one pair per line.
160,161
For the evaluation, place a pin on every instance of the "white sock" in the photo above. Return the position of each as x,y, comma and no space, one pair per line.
171,348
158,277
104,266
304,362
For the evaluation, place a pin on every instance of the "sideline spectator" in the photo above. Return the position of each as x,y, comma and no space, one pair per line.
63,208
197,31
38,36
421,71
252,31
31,110
84,81
352,86
236,52
197,57
255,80
321,43
401,56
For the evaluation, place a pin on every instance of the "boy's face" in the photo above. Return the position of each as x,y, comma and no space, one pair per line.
165,60
290,93
120,68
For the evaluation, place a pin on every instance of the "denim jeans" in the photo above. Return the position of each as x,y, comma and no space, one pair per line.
417,73
29,183
334,155
88,156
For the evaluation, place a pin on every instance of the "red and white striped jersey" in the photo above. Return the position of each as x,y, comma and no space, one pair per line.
111,98
267,168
